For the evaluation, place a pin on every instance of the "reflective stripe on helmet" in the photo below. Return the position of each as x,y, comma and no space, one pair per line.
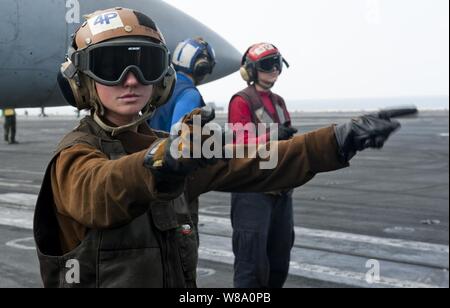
187,52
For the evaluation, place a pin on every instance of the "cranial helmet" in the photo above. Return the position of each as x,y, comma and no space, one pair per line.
194,57
262,57
108,45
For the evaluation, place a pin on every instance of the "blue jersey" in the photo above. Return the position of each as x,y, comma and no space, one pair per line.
184,100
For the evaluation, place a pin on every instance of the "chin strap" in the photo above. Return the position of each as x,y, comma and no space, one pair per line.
114,131
99,112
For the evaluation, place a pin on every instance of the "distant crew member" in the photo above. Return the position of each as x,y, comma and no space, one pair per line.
263,227
193,60
113,206
43,114
10,125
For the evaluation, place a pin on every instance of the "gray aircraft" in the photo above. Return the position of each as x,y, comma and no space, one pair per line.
34,36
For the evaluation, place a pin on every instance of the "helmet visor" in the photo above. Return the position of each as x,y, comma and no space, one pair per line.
269,64
109,64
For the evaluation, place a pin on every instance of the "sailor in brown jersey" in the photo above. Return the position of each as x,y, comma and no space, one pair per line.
114,200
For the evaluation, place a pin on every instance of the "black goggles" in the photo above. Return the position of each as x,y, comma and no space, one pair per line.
269,64
109,63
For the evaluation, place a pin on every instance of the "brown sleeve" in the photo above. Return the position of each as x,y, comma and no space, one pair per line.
299,160
101,193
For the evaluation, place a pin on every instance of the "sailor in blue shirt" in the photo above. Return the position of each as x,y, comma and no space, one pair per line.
193,59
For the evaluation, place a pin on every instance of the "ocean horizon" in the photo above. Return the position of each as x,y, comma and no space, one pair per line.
362,104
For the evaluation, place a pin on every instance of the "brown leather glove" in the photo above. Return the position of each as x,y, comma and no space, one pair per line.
181,153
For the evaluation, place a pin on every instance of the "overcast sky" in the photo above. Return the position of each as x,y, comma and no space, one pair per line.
337,48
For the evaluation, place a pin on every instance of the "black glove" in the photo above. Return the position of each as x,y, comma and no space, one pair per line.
286,132
160,159
369,131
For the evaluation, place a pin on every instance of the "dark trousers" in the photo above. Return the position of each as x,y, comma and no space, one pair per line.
10,129
263,236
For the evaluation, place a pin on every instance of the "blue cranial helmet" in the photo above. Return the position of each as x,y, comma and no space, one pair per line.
194,57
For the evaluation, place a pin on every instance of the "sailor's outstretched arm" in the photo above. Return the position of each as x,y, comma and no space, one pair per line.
298,160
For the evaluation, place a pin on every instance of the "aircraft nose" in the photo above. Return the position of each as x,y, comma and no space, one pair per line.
228,59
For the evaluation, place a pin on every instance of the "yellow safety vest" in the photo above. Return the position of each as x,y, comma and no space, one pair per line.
9,112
